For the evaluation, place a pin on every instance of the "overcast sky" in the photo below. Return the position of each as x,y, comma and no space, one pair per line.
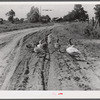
59,9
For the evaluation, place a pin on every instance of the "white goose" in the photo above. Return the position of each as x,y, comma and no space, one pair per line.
40,44
41,47
72,50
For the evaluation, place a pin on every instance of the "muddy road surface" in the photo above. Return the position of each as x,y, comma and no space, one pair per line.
22,69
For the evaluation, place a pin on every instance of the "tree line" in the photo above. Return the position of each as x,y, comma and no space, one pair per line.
34,15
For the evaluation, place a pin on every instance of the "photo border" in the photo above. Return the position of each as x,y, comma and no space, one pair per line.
52,96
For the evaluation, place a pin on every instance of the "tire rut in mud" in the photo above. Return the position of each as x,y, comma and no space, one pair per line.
31,72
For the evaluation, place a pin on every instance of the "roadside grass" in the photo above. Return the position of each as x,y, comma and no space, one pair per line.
77,29
83,30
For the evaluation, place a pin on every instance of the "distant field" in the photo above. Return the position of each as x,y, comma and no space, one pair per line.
7,26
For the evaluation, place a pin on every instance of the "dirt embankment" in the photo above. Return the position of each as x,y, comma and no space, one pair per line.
61,71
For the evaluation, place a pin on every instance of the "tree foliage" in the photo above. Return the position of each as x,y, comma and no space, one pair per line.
21,20
16,19
10,15
33,15
70,16
77,14
1,20
97,12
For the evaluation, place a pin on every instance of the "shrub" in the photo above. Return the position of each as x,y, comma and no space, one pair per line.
90,31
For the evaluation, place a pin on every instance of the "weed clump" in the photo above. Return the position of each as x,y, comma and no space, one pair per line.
91,32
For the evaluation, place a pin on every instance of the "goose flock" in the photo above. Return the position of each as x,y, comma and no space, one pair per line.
42,47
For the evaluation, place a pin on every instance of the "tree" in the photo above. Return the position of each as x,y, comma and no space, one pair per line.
21,20
16,20
80,13
45,19
77,14
70,16
1,20
33,15
97,12
10,15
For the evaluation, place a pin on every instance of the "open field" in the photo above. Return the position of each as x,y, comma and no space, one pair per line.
21,69
7,26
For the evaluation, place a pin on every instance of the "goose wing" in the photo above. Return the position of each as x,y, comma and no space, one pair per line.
72,50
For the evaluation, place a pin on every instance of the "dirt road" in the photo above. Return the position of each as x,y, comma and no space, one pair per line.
21,69
10,45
